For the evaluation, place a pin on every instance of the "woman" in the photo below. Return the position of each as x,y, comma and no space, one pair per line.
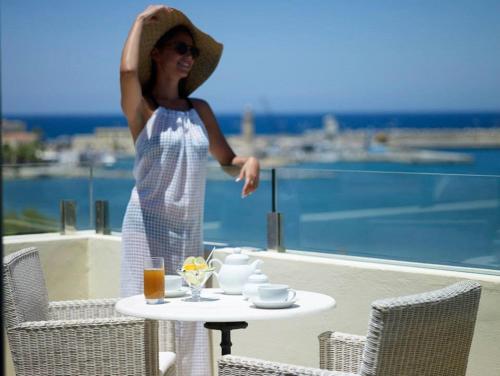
165,58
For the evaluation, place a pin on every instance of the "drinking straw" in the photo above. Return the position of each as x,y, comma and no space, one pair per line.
210,255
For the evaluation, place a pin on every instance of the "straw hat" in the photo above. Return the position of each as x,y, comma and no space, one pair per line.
205,63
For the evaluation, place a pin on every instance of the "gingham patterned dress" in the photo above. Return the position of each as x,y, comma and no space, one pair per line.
164,215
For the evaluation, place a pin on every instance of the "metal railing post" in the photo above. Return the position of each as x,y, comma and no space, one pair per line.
274,221
102,217
91,191
68,216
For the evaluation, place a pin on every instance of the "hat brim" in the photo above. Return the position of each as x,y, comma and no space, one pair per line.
205,63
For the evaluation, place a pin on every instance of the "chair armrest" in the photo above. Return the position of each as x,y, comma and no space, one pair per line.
83,309
116,346
105,308
230,365
340,351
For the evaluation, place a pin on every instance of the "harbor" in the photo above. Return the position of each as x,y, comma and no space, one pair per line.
71,155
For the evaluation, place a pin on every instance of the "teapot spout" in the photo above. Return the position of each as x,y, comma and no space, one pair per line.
256,264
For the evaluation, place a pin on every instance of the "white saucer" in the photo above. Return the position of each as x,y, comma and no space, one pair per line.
272,305
176,293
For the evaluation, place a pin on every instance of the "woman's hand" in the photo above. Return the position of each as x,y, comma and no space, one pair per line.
251,172
150,15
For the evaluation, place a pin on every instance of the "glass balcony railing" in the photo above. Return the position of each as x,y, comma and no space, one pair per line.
429,218
32,194
444,219
113,185
229,218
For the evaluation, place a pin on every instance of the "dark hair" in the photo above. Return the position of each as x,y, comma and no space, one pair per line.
160,43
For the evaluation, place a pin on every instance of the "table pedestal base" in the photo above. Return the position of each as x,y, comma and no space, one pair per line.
225,328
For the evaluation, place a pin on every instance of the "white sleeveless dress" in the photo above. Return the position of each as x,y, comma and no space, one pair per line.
165,214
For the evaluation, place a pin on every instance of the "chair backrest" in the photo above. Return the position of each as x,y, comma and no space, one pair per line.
25,294
424,334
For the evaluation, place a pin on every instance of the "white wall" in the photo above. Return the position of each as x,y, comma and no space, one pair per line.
64,260
104,266
354,285
92,263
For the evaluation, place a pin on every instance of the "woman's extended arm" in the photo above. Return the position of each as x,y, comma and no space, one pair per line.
220,149
132,101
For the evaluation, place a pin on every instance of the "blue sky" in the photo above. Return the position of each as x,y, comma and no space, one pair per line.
61,57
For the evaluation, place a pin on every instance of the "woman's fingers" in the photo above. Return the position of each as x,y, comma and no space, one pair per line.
256,182
251,172
251,184
246,190
241,175
151,12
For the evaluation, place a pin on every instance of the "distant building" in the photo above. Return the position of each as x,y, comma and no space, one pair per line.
248,130
116,140
13,126
15,139
330,126
14,133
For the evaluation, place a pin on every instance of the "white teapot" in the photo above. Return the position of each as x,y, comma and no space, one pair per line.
234,273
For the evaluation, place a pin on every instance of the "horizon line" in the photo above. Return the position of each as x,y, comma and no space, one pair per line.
278,113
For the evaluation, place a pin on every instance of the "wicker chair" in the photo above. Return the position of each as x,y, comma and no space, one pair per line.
418,335
84,337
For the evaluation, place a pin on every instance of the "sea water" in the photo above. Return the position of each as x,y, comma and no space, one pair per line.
270,123
424,213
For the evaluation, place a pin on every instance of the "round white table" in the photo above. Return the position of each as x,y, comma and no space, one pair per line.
226,313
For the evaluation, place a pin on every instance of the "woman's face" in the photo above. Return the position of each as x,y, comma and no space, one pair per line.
169,59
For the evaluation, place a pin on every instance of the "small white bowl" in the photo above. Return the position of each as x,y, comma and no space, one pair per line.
173,282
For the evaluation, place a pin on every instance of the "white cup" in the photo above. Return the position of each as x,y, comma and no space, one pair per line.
173,282
276,293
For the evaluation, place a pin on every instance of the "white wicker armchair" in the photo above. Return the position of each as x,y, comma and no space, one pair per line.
84,337
426,334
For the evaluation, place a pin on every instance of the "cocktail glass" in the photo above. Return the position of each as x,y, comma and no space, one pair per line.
196,279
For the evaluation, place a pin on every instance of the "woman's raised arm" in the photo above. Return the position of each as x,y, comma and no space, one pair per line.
132,101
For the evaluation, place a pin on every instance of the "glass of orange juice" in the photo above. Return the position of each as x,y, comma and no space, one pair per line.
154,280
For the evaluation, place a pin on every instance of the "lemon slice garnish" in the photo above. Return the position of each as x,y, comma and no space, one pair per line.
200,263
189,260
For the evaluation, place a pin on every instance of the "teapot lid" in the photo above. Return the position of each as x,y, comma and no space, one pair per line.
237,258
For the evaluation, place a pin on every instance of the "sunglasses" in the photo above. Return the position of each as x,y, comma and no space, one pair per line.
182,49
